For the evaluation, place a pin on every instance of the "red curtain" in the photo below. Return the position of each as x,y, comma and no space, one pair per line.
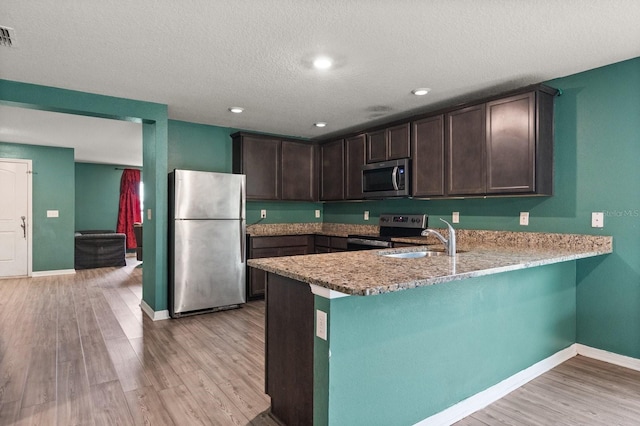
129,211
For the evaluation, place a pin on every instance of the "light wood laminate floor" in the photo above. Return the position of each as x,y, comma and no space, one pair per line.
581,391
77,350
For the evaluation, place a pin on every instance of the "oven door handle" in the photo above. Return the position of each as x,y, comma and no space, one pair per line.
394,178
369,243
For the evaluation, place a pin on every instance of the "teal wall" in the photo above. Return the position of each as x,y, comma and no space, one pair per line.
597,147
398,358
53,186
199,147
154,153
97,195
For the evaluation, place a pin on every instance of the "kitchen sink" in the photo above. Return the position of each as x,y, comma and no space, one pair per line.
415,254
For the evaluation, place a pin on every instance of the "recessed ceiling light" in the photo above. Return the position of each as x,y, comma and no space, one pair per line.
421,91
236,110
320,124
322,63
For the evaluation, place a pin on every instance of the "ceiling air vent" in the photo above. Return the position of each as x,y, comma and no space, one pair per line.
7,37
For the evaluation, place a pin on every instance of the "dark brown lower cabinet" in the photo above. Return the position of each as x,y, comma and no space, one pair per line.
289,350
329,244
288,245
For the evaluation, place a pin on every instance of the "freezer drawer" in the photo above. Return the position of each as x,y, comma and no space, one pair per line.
209,266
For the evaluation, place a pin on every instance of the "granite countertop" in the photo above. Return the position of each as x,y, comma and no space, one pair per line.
328,229
367,273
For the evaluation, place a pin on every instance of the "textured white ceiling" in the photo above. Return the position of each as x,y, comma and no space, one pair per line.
201,57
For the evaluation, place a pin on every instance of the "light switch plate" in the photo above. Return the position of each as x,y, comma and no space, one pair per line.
524,218
317,213
52,213
149,214
366,215
455,217
263,214
321,324
597,220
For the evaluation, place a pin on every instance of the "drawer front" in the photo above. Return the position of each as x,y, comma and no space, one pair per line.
293,251
323,241
280,241
339,243
264,252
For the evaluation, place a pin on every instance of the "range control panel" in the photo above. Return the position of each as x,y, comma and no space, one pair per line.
403,220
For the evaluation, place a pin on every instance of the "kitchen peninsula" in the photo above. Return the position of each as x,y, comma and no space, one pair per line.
360,338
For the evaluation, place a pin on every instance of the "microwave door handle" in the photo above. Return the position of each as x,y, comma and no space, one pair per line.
394,178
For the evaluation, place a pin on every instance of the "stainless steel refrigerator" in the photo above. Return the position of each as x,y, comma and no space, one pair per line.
207,264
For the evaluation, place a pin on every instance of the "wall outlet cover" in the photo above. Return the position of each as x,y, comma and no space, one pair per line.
524,218
366,215
321,324
317,213
597,220
263,214
52,213
455,217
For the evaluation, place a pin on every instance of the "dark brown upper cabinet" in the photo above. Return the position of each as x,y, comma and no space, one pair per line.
354,160
427,165
258,157
465,136
299,171
332,171
389,144
276,169
519,144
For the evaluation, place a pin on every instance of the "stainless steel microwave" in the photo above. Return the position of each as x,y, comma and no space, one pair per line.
386,179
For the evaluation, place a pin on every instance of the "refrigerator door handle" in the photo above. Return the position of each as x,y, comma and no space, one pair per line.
242,201
242,242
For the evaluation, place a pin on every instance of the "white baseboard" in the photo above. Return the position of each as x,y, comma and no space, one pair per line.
610,357
53,272
480,400
154,315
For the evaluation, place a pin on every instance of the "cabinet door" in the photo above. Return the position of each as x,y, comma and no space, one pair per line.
338,244
261,165
332,186
511,144
355,159
257,277
427,167
377,146
298,171
466,145
399,143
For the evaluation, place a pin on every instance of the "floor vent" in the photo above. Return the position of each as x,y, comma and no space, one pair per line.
7,37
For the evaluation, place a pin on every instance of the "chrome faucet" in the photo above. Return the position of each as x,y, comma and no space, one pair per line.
449,244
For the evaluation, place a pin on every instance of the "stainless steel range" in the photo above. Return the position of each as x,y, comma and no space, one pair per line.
391,225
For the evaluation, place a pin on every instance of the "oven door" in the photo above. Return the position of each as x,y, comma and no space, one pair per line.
356,243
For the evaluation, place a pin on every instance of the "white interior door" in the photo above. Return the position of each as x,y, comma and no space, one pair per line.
15,217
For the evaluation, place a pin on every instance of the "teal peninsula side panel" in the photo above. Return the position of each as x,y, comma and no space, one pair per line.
401,357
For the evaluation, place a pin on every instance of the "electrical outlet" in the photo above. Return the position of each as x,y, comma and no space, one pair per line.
366,215
524,218
455,217
149,214
52,213
321,324
317,213
597,220
263,214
